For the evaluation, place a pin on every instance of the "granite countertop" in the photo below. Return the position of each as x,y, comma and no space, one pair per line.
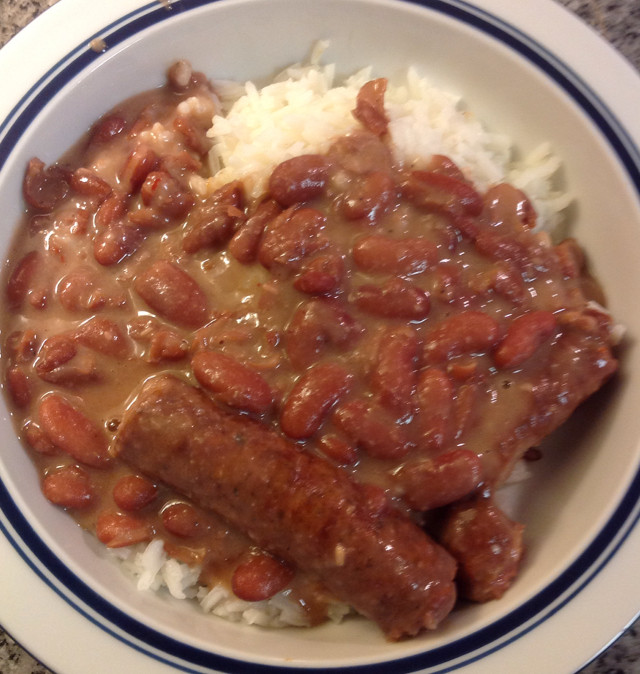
616,20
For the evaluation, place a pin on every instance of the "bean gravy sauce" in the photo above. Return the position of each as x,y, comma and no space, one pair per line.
392,320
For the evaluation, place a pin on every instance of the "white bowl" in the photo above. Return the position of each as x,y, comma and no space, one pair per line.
528,69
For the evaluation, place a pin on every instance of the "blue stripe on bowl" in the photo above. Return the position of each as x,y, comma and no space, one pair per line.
450,657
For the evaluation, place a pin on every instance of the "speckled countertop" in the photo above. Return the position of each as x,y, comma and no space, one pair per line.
618,21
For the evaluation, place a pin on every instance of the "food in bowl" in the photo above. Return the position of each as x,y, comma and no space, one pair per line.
303,383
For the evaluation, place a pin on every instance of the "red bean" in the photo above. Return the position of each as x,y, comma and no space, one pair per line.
69,487
137,167
311,398
381,254
435,482
338,449
511,206
21,280
467,332
107,128
369,196
115,242
105,336
395,298
361,152
571,258
42,187
89,183
133,492
232,382
322,275
83,289
260,577
38,441
435,395
182,520
524,337
110,211
193,135
442,193
395,374
369,109
315,325
245,242
292,236
165,195
68,428
167,345
18,386
372,430
213,222
173,294
54,352
299,179
117,530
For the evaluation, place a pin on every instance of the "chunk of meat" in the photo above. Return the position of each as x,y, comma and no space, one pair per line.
294,505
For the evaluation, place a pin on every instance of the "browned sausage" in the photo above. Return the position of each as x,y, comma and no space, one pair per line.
295,505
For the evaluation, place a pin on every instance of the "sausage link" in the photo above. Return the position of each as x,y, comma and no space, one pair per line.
292,504
311,398
232,383
524,337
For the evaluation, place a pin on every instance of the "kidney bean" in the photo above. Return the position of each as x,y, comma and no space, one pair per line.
245,242
299,179
173,294
110,211
54,352
166,345
194,136
260,577
503,278
369,110
465,409
179,75
311,398
395,298
18,386
467,332
42,187
182,520
105,336
69,487
361,152
117,530
115,242
338,449
381,254
442,193
213,221
137,167
571,258
134,492
291,236
21,280
87,182
487,545
511,206
68,428
165,195
315,325
232,382
440,163
438,481
322,275
372,429
82,289
394,375
525,335
107,128
435,395
38,441
369,196
21,346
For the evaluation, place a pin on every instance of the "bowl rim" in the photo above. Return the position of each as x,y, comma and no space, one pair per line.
40,559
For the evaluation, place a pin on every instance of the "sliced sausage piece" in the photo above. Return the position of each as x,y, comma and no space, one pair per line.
292,504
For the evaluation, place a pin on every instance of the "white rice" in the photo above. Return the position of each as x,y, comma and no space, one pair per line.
305,109
302,112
